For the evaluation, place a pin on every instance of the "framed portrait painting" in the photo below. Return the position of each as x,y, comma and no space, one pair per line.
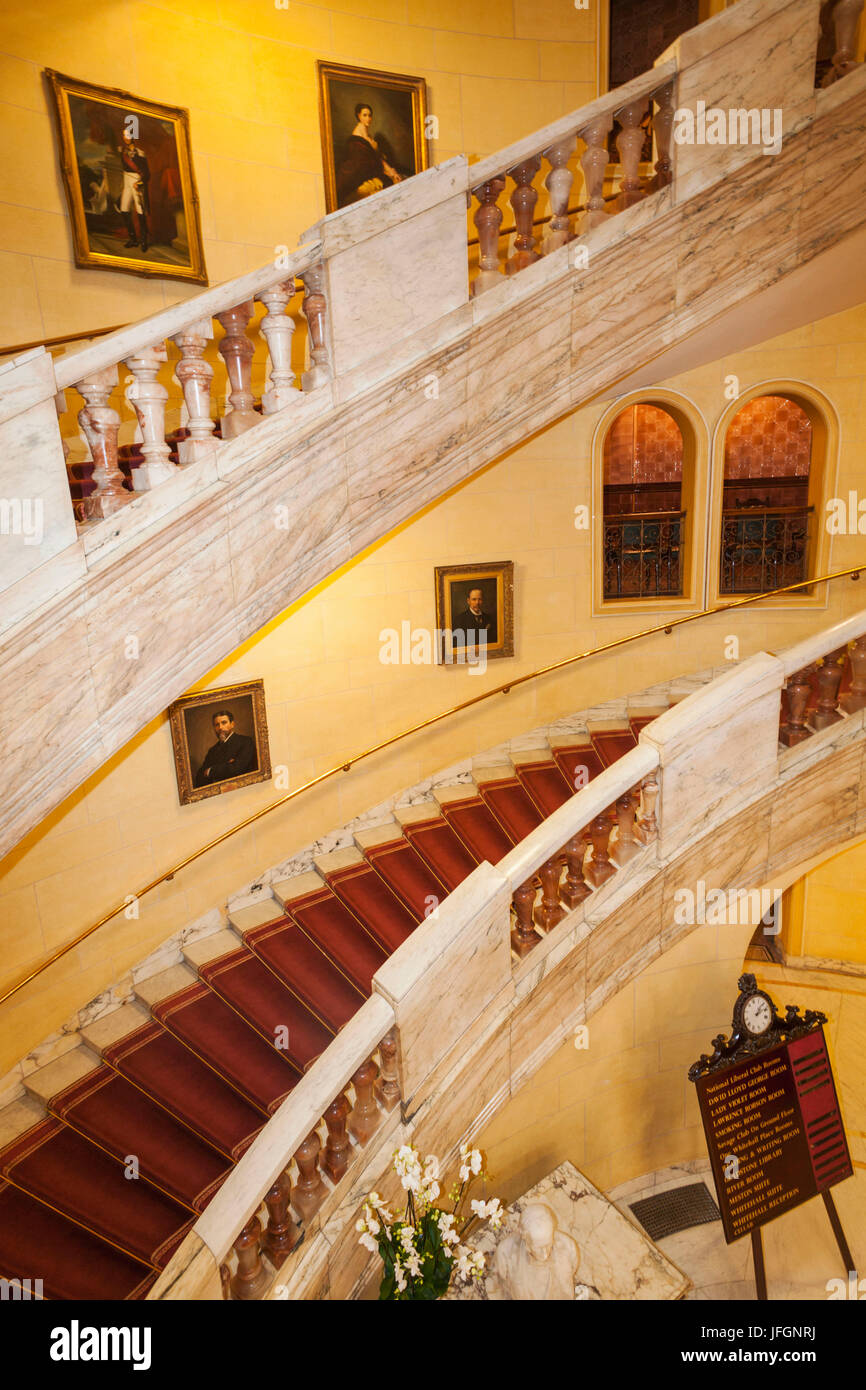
220,740
475,611
127,170
373,132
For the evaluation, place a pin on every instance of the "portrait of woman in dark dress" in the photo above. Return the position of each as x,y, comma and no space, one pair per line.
367,165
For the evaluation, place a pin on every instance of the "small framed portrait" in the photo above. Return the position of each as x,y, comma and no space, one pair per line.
373,131
127,169
220,741
475,611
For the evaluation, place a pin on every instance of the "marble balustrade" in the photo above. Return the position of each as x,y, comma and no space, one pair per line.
648,98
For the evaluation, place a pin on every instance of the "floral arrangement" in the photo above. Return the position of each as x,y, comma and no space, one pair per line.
422,1250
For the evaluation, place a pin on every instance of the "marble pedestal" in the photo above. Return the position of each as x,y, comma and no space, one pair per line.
618,1261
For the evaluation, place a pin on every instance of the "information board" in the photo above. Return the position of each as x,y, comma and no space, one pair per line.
774,1132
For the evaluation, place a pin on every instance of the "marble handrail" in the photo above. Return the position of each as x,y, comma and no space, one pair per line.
116,347
549,837
820,643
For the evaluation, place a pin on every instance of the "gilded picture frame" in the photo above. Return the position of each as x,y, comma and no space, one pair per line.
395,142
219,740
128,176
471,629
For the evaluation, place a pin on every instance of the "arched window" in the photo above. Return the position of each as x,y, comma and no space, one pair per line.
768,519
644,519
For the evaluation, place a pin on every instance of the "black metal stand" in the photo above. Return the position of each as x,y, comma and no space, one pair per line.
842,1243
758,1261
844,1248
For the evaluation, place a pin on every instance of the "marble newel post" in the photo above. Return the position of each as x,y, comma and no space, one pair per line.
147,396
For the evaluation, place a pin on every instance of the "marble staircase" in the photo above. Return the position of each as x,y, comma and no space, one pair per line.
391,306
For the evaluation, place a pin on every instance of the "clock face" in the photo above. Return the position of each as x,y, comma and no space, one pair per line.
757,1015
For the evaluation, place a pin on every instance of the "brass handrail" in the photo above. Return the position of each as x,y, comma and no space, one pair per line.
504,689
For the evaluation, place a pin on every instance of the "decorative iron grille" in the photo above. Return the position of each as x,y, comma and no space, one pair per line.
643,555
764,549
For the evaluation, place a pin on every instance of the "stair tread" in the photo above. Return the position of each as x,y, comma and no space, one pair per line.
179,1081
113,1113
546,784
371,900
114,1026
307,972
58,1166
163,985
243,919
56,1076
440,846
73,1263
259,997
208,948
578,758
414,883
613,744
204,1022
512,806
329,923
478,828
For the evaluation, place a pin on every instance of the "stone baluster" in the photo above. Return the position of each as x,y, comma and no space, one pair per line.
663,124
799,691
648,827
575,888
558,184
550,911
488,219
195,375
523,200
236,350
100,424
309,1192
524,936
365,1116
600,868
856,697
387,1088
594,163
829,679
315,305
226,1281
251,1278
147,396
281,1233
278,328
630,143
846,20
338,1150
626,846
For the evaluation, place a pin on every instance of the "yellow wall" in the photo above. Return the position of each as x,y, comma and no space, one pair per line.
246,71
828,910
328,695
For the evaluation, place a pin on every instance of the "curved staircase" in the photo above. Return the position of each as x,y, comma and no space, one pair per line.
183,1078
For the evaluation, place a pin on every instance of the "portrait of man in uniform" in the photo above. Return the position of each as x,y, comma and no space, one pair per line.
220,740
127,168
